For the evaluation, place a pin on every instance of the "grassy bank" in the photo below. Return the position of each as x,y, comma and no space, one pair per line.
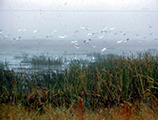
18,112
109,82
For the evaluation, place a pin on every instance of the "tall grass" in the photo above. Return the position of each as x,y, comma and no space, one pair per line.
109,81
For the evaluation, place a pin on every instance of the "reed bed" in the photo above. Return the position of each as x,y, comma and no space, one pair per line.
110,81
43,59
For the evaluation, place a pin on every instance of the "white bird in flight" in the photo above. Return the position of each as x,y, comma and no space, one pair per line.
62,37
54,31
35,31
100,37
111,29
73,42
120,41
5,37
21,30
85,28
94,46
103,49
77,46
89,34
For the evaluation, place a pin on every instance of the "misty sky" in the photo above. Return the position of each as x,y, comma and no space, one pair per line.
36,19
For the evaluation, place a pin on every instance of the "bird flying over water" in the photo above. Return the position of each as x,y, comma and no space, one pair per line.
87,41
54,31
73,42
94,46
85,28
120,41
89,34
111,29
103,49
62,37
35,31
100,37
5,37
77,46
21,30
125,41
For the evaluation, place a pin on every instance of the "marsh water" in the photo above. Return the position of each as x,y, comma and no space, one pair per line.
13,52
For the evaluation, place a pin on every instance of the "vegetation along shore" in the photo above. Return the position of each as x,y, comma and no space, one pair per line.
113,87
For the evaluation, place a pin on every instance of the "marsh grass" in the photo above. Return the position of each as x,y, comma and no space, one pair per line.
108,82
42,59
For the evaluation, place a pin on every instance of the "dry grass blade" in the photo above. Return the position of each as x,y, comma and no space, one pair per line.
80,110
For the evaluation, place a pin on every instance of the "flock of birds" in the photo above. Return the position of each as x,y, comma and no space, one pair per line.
95,35
90,35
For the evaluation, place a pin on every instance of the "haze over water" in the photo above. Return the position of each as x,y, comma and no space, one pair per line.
61,28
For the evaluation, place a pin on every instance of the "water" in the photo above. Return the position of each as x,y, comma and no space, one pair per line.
14,51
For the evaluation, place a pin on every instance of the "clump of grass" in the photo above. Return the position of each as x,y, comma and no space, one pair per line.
43,60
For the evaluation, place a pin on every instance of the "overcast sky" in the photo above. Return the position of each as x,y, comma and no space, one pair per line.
79,4
137,19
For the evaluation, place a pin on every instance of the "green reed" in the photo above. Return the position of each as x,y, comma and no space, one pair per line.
108,81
